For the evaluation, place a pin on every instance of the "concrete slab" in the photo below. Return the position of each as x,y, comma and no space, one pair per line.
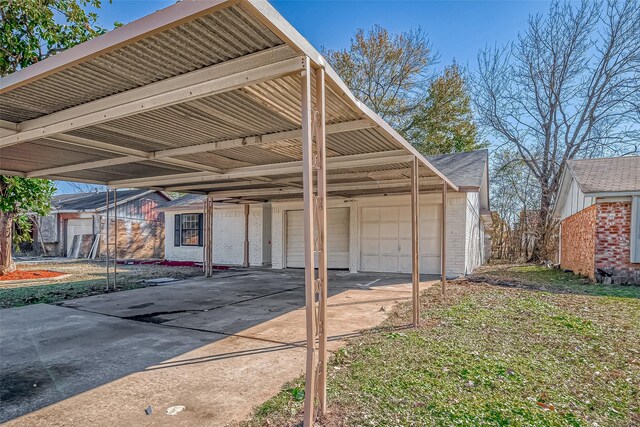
155,346
192,295
50,353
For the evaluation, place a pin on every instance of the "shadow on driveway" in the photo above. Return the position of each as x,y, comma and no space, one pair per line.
49,353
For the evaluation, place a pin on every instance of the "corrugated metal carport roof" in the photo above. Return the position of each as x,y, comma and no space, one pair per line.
199,97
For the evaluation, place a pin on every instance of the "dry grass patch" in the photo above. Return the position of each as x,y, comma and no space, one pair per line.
86,278
488,356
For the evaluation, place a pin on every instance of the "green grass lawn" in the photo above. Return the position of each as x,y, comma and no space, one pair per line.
85,278
568,355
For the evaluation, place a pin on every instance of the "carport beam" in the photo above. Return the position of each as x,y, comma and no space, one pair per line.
415,241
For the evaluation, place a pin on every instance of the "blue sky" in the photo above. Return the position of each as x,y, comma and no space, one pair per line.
457,29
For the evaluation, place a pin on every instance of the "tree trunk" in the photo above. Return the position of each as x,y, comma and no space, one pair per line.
6,230
540,244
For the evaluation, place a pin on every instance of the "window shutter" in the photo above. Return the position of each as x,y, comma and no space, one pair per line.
177,236
200,239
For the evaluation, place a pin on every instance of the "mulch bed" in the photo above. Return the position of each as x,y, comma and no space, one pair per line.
30,275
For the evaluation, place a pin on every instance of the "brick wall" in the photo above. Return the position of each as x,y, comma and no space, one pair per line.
613,246
137,239
578,242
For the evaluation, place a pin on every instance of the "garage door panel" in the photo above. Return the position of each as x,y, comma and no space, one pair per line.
372,262
371,247
390,239
370,215
387,264
337,238
430,246
370,230
388,230
405,247
404,263
404,214
404,228
389,214
430,264
388,247
432,212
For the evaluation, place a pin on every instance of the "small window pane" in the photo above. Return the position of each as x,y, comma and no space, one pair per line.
190,226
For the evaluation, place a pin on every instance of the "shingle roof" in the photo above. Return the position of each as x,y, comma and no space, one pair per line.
89,201
617,174
463,169
184,201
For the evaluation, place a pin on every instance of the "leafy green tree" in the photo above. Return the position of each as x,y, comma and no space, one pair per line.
389,73
20,197
33,30
444,122
392,74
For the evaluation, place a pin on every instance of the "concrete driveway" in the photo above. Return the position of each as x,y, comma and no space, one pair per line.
218,346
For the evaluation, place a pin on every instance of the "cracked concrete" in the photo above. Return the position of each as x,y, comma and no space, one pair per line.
218,346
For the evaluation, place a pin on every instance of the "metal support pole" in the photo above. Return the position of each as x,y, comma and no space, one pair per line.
207,256
245,263
205,233
415,242
211,210
106,240
443,240
115,243
309,270
321,208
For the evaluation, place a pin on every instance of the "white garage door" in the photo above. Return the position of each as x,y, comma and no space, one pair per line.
337,238
385,243
78,227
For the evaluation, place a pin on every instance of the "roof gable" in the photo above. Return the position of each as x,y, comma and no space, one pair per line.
93,201
463,169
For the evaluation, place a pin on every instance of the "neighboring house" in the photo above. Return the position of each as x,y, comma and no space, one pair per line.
140,225
599,207
364,233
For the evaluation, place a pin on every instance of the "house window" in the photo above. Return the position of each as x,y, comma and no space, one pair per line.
635,230
188,230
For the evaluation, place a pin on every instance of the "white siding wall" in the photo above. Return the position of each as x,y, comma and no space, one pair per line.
575,201
456,233
228,237
464,237
473,234
178,253
456,226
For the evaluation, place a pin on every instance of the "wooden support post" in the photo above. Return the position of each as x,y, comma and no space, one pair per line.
115,232
208,238
321,226
205,238
443,240
309,265
245,263
106,240
415,242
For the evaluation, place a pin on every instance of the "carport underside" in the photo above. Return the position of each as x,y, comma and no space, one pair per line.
223,98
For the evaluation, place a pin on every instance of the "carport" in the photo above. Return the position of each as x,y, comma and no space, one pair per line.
223,98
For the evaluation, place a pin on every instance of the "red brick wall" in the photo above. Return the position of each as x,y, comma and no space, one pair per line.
578,242
613,244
